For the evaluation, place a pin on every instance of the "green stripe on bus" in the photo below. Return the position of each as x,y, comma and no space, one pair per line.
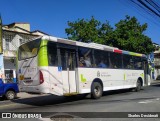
42,54
124,76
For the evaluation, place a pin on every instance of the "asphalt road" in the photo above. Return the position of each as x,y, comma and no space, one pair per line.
147,100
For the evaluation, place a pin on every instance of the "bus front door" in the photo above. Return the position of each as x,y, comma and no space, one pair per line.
68,63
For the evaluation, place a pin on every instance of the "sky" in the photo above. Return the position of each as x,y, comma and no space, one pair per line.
51,16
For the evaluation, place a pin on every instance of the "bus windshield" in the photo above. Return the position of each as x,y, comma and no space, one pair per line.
29,49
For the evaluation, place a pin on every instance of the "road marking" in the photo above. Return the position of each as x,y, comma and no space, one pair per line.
149,101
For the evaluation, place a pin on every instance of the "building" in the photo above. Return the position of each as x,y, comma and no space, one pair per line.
13,35
157,61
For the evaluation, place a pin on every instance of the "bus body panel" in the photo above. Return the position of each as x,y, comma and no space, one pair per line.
35,89
69,82
29,72
65,80
112,79
131,77
31,81
72,82
56,82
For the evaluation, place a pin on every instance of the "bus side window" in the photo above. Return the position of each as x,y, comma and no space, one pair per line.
82,62
86,55
71,60
52,54
137,62
115,60
101,59
53,60
64,60
128,62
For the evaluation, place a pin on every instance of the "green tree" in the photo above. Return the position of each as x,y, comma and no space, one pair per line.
129,35
89,31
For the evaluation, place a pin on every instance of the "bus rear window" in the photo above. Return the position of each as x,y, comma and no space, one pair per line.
29,49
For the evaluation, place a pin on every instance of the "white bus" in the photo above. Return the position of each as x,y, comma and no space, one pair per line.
65,67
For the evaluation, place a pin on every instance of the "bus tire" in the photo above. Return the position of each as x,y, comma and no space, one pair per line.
138,86
96,90
10,95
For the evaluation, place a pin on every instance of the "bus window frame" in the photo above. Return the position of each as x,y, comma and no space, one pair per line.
109,56
48,53
94,60
78,47
67,47
142,61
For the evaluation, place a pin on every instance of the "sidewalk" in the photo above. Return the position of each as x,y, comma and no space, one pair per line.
22,95
153,82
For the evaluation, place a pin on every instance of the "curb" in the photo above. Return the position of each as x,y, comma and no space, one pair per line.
155,82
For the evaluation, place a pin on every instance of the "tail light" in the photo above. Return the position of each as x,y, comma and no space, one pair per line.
41,77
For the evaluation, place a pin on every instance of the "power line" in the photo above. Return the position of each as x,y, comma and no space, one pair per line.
151,10
150,6
142,11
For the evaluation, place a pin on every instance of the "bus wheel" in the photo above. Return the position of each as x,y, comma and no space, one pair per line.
10,95
96,90
138,86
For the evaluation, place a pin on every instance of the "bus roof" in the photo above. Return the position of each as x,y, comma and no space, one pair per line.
91,45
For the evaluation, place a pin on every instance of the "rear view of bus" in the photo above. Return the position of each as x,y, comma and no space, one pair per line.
30,76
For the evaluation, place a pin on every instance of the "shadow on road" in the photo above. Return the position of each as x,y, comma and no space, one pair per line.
156,85
54,100
1,98
47,100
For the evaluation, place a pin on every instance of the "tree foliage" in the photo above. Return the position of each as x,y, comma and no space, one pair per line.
89,31
127,35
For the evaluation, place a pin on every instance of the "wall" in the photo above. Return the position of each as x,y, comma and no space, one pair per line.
9,64
24,26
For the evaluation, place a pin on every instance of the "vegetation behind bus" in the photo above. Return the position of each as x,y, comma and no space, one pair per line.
127,35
